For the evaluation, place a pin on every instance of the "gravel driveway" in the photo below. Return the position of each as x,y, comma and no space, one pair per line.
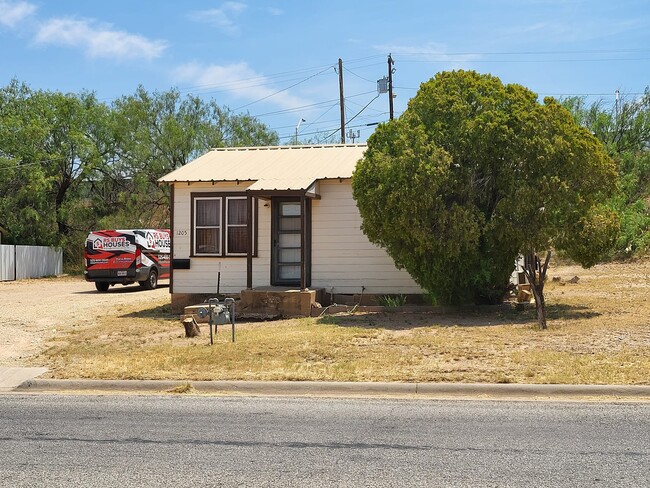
32,311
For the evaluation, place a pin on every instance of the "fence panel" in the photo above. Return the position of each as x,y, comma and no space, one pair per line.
22,262
7,263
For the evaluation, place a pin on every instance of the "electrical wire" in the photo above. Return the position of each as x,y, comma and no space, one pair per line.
355,116
358,76
280,91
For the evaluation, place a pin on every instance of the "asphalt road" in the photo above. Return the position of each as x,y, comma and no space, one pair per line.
128,441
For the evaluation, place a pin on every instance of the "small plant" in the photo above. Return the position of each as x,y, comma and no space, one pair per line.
392,300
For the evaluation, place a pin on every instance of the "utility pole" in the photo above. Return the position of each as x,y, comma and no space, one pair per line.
341,101
390,85
618,97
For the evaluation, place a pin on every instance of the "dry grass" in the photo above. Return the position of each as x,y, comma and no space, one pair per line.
599,333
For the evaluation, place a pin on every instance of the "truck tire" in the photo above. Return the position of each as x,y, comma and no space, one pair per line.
101,286
151,282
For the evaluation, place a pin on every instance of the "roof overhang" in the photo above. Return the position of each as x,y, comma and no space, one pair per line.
266,189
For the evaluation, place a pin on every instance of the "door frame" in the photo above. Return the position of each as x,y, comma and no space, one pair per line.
305,241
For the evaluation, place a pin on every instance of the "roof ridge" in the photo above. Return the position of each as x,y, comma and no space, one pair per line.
280,148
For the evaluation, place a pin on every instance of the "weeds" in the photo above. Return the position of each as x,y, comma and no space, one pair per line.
392,301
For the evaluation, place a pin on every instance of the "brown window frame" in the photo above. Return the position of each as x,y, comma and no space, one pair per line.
223,198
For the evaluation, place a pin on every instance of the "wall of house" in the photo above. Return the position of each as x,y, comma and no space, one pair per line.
343,260
201,278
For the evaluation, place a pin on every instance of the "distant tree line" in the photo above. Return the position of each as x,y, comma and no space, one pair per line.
70,163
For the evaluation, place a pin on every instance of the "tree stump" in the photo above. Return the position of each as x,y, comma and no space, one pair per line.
191,327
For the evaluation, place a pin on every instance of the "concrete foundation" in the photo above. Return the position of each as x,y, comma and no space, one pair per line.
274,301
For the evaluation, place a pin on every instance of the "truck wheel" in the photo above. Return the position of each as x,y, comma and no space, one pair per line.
101,286
151,282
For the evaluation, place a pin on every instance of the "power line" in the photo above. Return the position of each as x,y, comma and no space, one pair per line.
280,91
460,60
526,53
358,76
355,116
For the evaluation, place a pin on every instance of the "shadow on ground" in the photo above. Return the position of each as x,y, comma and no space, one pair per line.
117,290
479,317
163,312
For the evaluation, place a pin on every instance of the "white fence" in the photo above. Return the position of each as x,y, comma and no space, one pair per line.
22,262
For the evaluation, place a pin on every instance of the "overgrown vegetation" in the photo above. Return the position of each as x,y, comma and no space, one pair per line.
70,163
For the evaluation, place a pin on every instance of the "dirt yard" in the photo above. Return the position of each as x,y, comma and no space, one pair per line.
599,333
33,311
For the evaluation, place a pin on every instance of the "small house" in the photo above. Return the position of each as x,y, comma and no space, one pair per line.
276,226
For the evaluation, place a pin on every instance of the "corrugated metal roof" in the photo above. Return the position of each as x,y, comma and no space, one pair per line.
282,184
272,168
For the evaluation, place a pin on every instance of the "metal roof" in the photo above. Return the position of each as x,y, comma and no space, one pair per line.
272,167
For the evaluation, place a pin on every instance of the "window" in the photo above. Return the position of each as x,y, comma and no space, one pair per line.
221,225
236,225
207,228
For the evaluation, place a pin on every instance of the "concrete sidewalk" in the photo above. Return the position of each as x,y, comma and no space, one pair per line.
11,378
315,388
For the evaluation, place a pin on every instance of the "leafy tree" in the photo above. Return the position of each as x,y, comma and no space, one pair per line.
626,134
50,144
476,172
161,131
69,163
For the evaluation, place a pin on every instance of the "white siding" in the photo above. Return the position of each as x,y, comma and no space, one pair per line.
343,260
203,273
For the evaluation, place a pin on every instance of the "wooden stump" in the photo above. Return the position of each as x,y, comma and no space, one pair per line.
191,327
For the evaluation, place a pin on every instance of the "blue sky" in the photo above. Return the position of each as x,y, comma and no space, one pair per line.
276,60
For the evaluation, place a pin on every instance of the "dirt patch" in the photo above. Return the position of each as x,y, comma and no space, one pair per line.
35,311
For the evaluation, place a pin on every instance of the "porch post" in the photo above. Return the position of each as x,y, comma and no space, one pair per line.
303,242
249,252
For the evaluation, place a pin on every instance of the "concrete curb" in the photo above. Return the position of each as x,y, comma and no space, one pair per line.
316,388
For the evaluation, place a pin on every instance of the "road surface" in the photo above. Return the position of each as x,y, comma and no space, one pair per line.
137,441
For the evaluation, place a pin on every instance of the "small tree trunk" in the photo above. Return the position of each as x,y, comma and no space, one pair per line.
540,305
536,274
191,327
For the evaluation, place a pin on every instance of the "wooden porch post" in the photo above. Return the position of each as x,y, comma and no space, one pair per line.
249,252
303,242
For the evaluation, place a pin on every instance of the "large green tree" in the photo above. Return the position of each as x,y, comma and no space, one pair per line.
625,130
69,163
158,132
50,143
475,173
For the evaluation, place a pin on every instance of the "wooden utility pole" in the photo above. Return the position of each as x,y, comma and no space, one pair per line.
341,101
390,86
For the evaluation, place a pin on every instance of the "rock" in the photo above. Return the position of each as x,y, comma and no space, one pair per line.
574,280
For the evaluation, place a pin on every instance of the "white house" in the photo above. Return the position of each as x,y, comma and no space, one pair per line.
283,217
